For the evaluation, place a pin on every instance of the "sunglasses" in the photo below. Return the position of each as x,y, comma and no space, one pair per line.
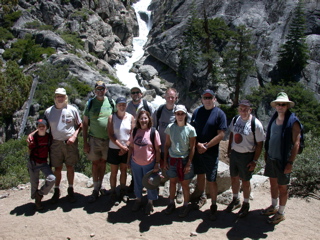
135,92
207,98
281,104
100,89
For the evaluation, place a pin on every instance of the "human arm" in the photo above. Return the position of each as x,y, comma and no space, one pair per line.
166,151
295,148
85,126
251,166
202,147
129,155
30,137
192,144
157,164
110,129
230,144
74,136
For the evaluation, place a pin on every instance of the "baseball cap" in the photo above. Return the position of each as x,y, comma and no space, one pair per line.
208,92
245,103
136,88
121,100
60,91
41,121
100,84
181,108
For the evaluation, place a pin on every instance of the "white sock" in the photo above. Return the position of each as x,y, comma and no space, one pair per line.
274,202
70,185
281,209
96,186
179,187
246,200
236,195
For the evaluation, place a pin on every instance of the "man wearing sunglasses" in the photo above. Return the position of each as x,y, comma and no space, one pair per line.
210,123
95,135
281,148
137,103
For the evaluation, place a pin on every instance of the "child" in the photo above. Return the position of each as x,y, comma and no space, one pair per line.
39,151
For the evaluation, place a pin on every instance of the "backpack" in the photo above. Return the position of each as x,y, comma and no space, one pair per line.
159,111
145,106
111,102
253,126
301,147
152,134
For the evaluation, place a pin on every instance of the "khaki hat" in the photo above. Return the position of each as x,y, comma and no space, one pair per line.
151,180
282,97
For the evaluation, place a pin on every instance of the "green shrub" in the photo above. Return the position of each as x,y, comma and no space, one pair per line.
306,168
38,25
73,39
5,35
10,19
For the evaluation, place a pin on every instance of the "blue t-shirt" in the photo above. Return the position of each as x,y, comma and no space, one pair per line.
207,123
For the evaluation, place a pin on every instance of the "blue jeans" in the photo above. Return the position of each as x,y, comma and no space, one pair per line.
138,172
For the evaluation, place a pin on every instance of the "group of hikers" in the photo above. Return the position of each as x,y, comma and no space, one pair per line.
164,143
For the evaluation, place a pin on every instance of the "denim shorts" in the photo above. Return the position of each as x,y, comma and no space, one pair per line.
172,171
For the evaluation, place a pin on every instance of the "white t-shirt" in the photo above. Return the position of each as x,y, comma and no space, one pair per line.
63,122
243,140
121,129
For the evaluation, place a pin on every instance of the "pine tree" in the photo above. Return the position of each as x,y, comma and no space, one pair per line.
293,55
238,60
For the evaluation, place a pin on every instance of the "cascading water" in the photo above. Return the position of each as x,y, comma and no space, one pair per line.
126,77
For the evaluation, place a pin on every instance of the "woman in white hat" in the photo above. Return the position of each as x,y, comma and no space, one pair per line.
178,151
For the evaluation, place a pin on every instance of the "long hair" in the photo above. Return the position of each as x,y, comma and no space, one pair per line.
65,101
185,119
138,117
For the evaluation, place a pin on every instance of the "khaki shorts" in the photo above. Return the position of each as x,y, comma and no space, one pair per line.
60,153
98,149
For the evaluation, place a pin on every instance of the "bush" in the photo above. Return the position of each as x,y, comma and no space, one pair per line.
38,25
5,35
306,169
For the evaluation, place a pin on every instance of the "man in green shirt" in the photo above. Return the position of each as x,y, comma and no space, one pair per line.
96,143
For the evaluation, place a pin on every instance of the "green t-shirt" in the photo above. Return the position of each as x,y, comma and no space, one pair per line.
98,116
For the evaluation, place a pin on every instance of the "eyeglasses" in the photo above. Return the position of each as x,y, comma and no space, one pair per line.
281,104
100,89
207,98
135,92
180,114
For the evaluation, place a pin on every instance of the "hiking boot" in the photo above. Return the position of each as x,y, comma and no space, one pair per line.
244,210
149,208
271,210
94,196
115,199
199,204
184,211
170,208
103,192
124,196
136,206
278,217
38,198
56,196
235,203
71,197
179,197
213,212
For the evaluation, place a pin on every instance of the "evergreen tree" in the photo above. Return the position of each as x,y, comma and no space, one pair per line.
293,55
238,60
14,88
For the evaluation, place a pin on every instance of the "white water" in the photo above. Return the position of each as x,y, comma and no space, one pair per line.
126,77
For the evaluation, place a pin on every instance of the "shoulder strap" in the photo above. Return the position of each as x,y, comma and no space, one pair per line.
145,105
134,132
111,102
159,111
152,136
253,129
235,118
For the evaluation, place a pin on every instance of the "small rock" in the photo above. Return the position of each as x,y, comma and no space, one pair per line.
193,234
4,195
92,235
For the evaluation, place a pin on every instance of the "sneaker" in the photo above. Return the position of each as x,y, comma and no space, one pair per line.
202,201
278,217
38,199
124,196
235,203
149,208
244,209
170,208
71,197
94,196
56,196
179,197
213,212
271,210
184,211
136,206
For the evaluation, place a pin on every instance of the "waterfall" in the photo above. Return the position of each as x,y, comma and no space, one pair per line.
127,78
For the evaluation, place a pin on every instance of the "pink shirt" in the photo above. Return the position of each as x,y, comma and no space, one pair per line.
143,152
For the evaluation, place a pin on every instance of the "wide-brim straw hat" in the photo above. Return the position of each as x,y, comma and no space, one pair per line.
283,98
